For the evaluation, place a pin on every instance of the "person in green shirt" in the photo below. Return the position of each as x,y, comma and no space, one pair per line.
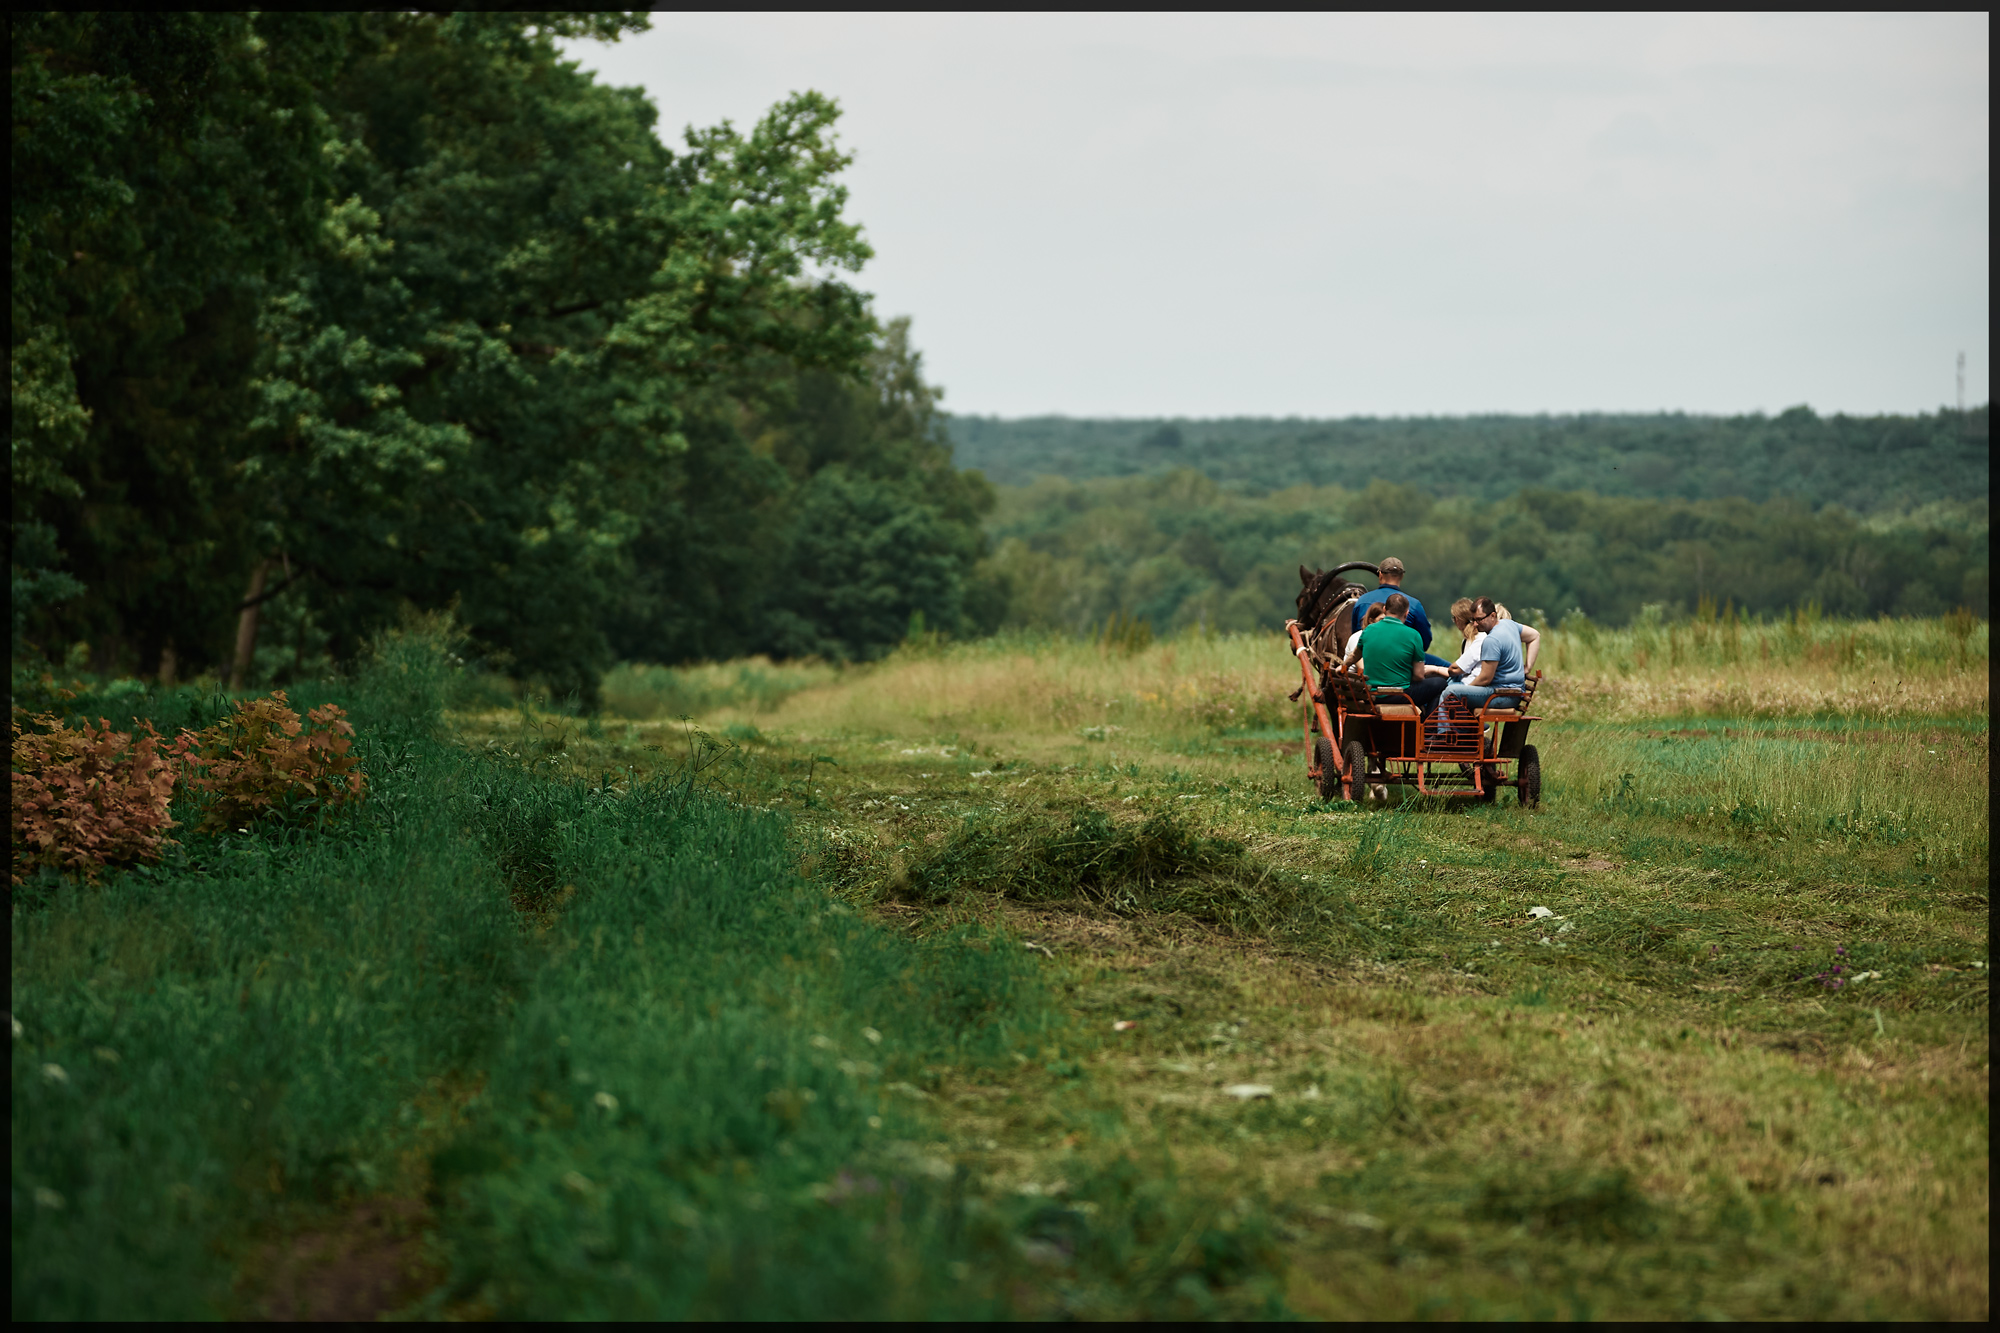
1392,658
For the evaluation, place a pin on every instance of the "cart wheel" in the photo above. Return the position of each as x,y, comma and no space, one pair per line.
1329,776
1529,773
1357,772
1489,778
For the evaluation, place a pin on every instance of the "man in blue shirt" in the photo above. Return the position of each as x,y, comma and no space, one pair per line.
1390,574
1506,655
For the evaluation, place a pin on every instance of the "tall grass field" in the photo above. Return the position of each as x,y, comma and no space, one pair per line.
1029,978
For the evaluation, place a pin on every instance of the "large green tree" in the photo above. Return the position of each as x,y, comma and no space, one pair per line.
365,312
483,378
165,170
815,514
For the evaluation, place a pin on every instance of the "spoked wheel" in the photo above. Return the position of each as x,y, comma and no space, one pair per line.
1329,775
1529,772
1357,772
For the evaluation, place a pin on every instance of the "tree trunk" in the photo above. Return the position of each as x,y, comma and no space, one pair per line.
169,665
246,626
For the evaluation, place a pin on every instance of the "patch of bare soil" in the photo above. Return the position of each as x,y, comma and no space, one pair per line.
364,1265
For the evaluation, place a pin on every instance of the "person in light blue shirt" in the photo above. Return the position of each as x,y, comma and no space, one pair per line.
1506,656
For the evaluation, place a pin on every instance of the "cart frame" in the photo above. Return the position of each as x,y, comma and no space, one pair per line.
1354,737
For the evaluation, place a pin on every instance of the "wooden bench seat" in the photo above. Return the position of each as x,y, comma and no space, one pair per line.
1349,689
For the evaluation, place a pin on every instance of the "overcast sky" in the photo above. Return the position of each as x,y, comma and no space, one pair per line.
1335,215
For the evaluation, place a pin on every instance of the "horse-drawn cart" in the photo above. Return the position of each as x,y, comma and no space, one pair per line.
1360,738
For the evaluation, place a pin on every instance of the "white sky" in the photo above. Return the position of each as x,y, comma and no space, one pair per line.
1329,215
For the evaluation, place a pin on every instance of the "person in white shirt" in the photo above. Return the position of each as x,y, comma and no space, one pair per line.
1352,661
1461,616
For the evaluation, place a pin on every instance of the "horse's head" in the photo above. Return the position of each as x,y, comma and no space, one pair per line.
1321,593
1326,605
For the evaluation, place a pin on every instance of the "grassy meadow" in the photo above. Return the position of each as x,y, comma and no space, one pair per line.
1028,978
1741,1070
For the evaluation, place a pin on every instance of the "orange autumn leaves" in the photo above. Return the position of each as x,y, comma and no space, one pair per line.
86,796
256,765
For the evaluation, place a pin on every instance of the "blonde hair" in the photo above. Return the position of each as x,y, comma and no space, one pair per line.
1461,612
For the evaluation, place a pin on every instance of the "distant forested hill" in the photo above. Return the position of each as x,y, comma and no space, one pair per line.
1178,551
1866,464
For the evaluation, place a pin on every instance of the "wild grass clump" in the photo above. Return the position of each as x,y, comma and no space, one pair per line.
1800,665
1920,788
1802,641
1076,852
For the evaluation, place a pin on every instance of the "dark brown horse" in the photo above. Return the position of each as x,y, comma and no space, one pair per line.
1326,607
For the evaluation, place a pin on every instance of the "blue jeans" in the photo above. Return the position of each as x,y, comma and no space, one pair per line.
1474,696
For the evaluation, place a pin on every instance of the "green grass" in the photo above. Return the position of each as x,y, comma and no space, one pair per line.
919,991
757,685
516,1044
210,1048
1672,1099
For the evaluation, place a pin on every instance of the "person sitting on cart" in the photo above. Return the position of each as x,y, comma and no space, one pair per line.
1507,652
1461,616
1390,575
1392,657
1352,657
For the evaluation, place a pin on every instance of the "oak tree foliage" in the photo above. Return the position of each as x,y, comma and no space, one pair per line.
409,311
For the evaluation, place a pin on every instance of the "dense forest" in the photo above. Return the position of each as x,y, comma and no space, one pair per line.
1865,464
1180,551
319,320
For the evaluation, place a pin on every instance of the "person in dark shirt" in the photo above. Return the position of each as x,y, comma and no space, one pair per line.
1393,658
1390,573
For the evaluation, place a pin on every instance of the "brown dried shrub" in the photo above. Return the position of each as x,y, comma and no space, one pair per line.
255,764
87,797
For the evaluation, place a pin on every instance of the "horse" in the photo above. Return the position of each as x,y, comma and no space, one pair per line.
1326,608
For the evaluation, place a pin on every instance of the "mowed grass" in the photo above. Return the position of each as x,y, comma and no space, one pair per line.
1740,1070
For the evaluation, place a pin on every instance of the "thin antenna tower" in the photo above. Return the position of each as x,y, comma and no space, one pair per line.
1961,384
